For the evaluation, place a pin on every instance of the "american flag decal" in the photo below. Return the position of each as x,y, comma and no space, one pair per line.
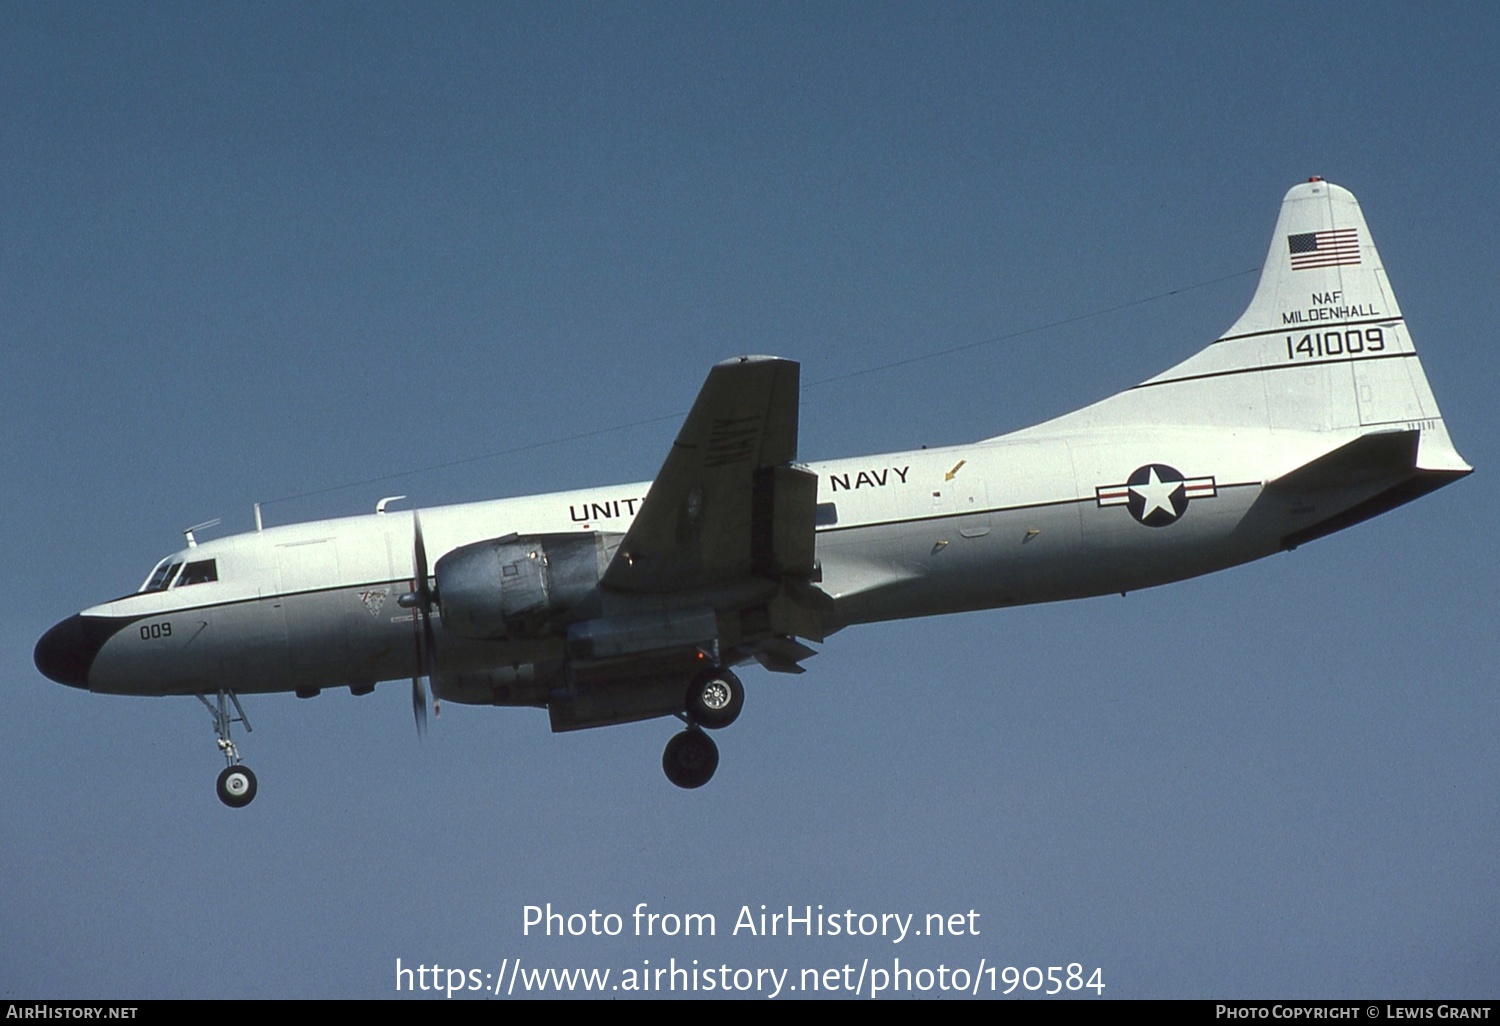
1333,248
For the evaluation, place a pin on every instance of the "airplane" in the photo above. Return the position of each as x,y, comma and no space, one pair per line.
615,604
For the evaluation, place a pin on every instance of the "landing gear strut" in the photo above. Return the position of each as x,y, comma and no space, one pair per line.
236,785
713,701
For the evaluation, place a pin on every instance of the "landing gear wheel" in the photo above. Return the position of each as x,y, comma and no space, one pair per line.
715,698
690,759
236,786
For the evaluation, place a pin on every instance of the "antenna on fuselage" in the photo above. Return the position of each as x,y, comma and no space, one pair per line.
258,526
380,506
193,542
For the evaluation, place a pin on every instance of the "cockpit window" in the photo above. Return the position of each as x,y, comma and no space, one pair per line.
162,576
198,573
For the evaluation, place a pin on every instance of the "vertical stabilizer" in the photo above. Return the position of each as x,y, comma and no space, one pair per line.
1322,347
1322,267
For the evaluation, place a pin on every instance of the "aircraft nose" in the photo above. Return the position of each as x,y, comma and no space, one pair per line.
66,652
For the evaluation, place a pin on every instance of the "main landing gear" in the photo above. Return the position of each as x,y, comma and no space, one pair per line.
714,700
236,785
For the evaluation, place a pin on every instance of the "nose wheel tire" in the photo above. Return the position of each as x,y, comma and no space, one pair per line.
690,759
236,786
715,698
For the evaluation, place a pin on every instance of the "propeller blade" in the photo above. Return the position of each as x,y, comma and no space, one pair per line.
419,705
426,639
429,645
419,562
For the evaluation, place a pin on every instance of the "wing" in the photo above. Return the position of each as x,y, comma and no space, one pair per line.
728,507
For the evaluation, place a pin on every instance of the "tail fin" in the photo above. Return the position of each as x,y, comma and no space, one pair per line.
1322,347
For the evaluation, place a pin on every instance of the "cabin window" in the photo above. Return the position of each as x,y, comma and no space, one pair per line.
201,572
162,576
827,514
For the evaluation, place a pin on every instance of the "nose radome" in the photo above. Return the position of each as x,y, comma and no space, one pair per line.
66,652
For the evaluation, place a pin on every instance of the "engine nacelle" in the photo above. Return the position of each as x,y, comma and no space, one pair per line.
513,586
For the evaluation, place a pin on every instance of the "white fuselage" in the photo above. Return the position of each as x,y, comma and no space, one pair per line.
997,523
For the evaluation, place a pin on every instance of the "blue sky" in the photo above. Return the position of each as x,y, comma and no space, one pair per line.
251,253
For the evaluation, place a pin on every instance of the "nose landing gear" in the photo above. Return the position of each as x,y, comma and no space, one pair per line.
236,785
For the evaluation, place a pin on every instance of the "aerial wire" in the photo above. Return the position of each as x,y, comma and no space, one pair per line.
862,372
1010,336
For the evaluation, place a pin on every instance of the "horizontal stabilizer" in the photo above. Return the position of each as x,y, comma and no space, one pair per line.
1368,460
1383,466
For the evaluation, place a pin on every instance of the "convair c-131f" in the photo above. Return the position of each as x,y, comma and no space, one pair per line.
1310,414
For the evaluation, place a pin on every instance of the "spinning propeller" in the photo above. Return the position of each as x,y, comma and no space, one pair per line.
421,601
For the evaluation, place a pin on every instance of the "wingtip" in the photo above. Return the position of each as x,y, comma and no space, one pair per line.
735,361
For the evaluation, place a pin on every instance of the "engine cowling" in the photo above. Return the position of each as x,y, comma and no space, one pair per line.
517,585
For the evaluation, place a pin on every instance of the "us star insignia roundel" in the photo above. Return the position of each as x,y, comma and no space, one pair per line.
1156,494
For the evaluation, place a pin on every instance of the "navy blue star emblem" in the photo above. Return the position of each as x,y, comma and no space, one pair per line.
1156,495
